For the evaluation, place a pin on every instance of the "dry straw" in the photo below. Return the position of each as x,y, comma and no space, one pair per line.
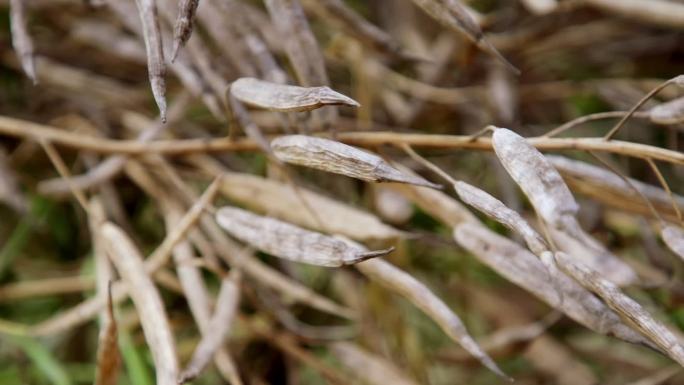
21,40
291,242
183,27
369,367
156,67
108,356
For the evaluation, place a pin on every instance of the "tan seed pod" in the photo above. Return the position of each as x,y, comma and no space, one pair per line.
496,210
671,112
21,40
286,98
147,301
629,310
535,175
339,158
217,329
183,28
287,241
673,237
421,296
391,205
156,67
522,268
369,367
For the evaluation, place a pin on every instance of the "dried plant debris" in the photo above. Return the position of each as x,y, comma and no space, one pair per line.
421,296
183,28
673,237
285,98
287,241
629,310
524,269
108,356
21,40
217,329
551,198
540,7
454,15
369,367
156,67
147,301
282,201
671,112
339,158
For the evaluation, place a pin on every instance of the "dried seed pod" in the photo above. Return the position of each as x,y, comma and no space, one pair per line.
629,310
454,15
217,329
339,158
369,367
21,40
286,98
540,7
496,210
422,297
391,205
673,237
524,269
147,301
156,67
671,112
291,242
183,28
538,179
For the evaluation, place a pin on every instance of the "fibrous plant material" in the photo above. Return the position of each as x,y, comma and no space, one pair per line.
129,264
217,329
339,158
287,241
286,98
369,367
404,284
525,270
21,40
156,67
629,310
453,14
183,28
671,112
673,237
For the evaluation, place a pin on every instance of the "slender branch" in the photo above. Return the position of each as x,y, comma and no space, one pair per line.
24,129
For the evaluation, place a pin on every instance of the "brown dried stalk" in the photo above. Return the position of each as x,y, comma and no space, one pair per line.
452,14
628,309
156,67
338,158
369,367
671,112
660,12
108,358
217,329
148,303
285,98
21,39
421,296
287,241
183,28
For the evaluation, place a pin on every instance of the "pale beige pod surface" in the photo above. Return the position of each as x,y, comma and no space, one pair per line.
339,158
286,98
671,112
287,241
535,175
